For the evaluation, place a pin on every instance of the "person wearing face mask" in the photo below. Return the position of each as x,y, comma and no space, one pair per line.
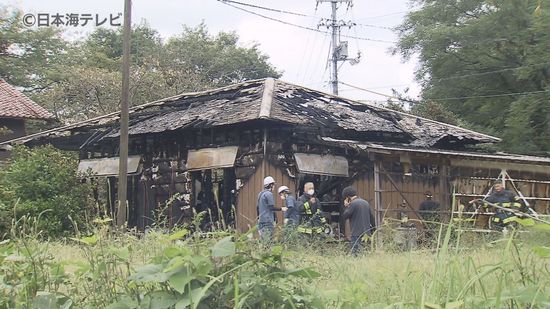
359,214
292,217
309,207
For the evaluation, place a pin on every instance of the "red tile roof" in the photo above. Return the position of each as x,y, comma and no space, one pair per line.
14,104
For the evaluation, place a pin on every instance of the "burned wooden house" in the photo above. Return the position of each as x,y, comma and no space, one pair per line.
213,148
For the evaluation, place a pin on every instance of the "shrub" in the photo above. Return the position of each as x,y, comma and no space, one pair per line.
43,181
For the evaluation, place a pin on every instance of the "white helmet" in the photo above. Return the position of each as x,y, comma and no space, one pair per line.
282,189
268,180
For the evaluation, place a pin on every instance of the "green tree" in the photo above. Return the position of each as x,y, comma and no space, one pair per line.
487,62
43,180
29,58
191,61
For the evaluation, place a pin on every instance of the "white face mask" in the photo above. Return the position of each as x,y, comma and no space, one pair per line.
310,192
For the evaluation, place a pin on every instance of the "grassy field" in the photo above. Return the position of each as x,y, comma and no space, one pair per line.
228,271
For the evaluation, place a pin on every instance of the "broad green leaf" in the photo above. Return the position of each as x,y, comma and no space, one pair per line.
189,298
150,273
175,264
181,279
172,251
224,247
162,299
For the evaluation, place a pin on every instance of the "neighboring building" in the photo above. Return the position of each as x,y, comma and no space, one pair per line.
214,148
15,108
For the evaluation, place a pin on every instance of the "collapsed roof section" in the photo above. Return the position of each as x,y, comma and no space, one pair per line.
277,102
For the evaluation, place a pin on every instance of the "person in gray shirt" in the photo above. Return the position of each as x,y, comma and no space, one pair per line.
360,216
266,210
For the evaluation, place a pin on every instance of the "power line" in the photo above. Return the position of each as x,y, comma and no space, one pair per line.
385,15
374,26
300,26
267,9
373,92
297,14
450,98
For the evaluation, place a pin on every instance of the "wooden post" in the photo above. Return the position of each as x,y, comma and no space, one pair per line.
444,190
377,194
121,216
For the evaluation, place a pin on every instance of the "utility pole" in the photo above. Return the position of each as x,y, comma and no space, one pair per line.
339,49
121,217
335,45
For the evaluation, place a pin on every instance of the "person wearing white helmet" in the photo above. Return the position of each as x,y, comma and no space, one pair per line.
292,216
266,210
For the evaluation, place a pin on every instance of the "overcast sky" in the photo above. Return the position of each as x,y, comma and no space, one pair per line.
300,54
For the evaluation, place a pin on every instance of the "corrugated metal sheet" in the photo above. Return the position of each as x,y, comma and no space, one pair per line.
209,158
108,166
321,164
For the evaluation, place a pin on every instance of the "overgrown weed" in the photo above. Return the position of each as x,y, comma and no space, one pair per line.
219,269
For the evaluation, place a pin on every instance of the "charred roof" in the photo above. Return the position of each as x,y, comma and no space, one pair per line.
272,101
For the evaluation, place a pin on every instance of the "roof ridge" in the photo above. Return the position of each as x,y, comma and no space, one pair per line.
267,98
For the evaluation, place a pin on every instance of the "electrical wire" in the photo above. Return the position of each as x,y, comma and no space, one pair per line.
300,26
267,9
374,26
385,15
450,98
373,92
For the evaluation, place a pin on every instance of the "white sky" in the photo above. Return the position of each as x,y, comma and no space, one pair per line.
300,54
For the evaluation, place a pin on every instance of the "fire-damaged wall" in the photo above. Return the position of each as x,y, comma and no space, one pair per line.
247,197
402,187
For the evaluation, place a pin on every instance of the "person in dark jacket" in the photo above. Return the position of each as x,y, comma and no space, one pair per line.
504,198
266,210
360,216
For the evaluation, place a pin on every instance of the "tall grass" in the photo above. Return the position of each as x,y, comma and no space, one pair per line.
459,272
